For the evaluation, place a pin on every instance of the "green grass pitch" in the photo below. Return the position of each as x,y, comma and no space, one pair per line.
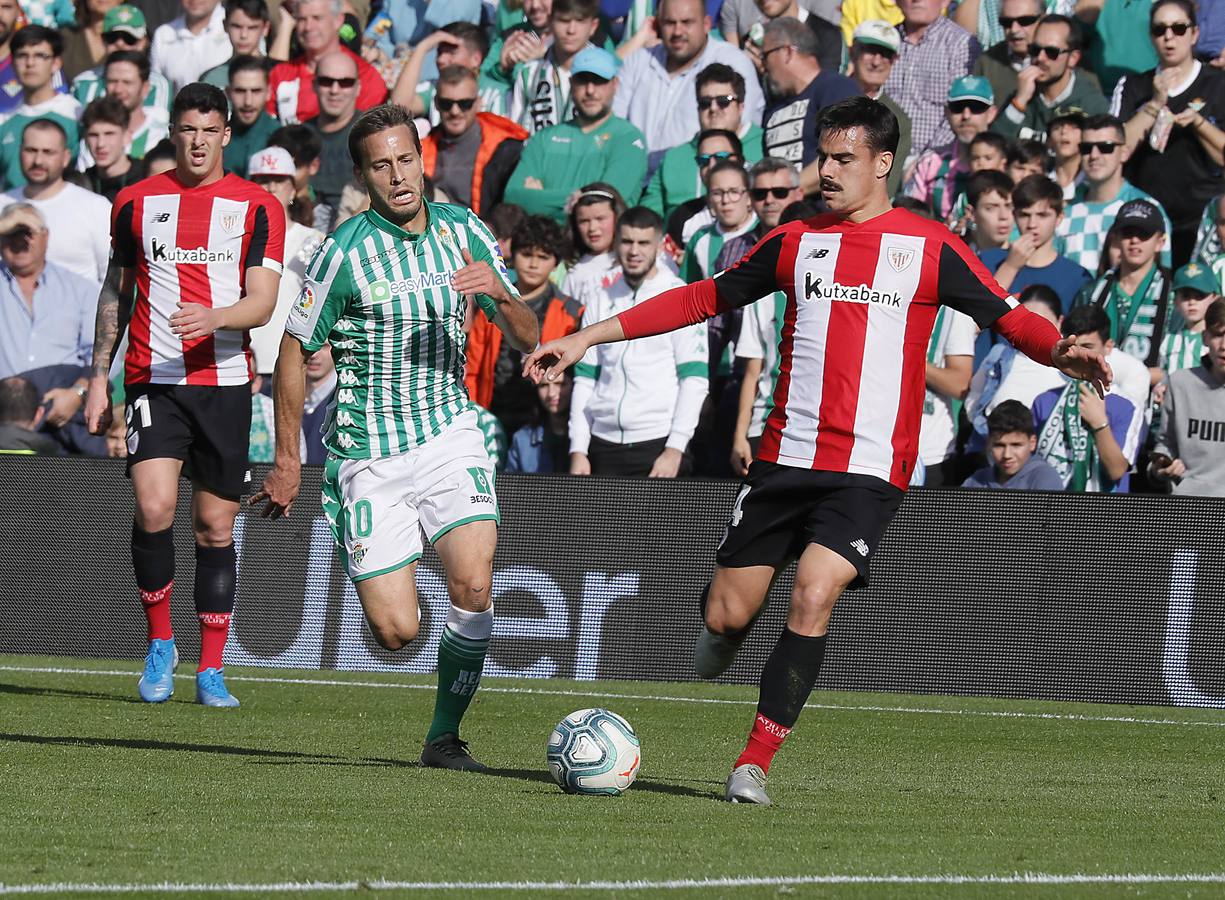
317,782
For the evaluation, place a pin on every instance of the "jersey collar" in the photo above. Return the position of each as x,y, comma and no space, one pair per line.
400,233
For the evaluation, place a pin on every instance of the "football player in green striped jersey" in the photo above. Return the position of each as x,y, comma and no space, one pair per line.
406,457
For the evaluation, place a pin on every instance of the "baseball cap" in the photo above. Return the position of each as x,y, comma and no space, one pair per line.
1197,277
972,87
1067,114
19,216
595,61
878,33
1141,215
125,18
272,161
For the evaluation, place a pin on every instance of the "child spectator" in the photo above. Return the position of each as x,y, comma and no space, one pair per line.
1026,158
988,153
1195,289
1063,147
989,213
543,447
593,222
1011,440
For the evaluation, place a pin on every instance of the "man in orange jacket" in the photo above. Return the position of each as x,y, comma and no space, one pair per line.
471,154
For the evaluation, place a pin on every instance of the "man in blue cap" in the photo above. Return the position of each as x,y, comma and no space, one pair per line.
594,145
940,174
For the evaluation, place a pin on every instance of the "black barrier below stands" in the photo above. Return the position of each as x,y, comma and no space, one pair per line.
1115,598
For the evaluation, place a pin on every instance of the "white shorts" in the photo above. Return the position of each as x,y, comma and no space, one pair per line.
380,508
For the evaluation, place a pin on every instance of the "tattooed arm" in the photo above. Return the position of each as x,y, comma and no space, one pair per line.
114,310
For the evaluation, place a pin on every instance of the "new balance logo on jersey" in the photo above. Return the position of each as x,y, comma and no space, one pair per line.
815,288
819,253
160,218
861,547
163,252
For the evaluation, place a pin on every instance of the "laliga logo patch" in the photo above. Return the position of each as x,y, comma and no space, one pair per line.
306,299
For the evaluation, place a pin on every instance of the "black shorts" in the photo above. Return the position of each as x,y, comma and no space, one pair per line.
780,510
207,427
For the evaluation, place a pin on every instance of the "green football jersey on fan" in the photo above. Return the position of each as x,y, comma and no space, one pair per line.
382,297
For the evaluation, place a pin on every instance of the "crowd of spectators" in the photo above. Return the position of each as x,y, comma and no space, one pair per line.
618,148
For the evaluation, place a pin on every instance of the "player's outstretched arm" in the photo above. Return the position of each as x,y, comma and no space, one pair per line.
548,361
110,323
281,485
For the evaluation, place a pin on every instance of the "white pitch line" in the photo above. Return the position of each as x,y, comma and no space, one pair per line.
604,695
1029,878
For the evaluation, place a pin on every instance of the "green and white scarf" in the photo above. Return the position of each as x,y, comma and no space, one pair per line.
1066,444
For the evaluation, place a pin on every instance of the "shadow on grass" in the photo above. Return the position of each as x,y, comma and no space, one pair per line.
64,692
178,746
652,787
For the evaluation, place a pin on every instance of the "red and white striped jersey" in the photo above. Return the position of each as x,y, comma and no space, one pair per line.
861,303
193,244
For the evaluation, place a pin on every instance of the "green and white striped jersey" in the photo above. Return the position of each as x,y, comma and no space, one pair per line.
382,298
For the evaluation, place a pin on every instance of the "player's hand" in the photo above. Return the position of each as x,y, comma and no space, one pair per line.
193,321
280,490
1092,407
64,405
580,464
742,455
667,464
1087,365
98,409
478,278
548,361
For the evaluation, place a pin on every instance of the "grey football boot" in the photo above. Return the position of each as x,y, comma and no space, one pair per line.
747,784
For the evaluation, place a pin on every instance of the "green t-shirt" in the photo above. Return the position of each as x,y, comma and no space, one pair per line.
245,144
382,298
63,110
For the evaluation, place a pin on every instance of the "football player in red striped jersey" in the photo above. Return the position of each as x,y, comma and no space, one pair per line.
863,285
201,253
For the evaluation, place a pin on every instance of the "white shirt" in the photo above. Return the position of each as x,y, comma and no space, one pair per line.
1131,378
182,57
79,226
758,339
938,431
1026,379
300,245
664,107
641,390
593,272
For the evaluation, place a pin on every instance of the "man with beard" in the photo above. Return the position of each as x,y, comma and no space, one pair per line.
250,124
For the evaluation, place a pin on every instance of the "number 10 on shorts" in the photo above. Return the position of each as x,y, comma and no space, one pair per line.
360,520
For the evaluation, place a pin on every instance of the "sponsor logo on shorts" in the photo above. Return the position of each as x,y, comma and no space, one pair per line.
861,547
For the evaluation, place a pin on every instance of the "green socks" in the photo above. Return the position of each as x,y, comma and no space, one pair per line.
461,656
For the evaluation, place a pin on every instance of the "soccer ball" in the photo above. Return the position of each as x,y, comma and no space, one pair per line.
593,751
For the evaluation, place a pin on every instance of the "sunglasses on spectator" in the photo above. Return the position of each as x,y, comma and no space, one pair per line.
778,193
1006,22
1103,147
1051,53
705,159
1179,28
723,101
120,37
975,107
326,82
446,104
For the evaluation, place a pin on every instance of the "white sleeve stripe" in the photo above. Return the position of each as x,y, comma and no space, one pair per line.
272,264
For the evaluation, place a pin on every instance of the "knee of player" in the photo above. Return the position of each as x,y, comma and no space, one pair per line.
725,614
394,635
470,592
815,596
219,534
155,513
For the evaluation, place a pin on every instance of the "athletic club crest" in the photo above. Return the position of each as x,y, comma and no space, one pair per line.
900,258
231,223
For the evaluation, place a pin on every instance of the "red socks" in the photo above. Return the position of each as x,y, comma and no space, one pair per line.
214,629
157,612
764,740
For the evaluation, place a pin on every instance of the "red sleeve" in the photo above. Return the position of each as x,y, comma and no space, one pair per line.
374,88
1028,332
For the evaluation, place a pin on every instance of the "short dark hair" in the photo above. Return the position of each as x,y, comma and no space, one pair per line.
505,219
1087,319
1104,121
1026,151
472,35
135,57
245,62
985,182
914,205
1214,318
1044,294
997,142
47,125
800,209
640,217
1076,39
378,118
1010,416
32,35
105,109
255,9
304,144
540,233
590,195
877,120
1187,6
720,73
575,9
163,149
202,98
19,399
729,165
731,137
1034,189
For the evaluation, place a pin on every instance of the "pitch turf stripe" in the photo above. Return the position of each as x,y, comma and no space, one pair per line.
1034,878
604,695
